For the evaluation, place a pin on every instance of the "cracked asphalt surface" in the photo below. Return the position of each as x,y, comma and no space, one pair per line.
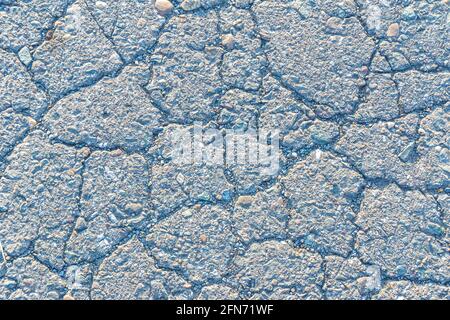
91,207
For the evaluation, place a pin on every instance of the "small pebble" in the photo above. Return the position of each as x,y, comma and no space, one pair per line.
180,178
2,255
205,196
117,153
407,152
334,23
318,154
59,24
141,23
203,238
33,123
244,201
101,5
163,7
264,35
49,35
85,152
25,56
68,297
390,124
361,83
393,30
373,85
189,5
134,208
228,41
181,18
71,171
80,225
364,70
187,213
187,286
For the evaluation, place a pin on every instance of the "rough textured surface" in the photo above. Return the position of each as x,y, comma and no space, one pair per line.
94,205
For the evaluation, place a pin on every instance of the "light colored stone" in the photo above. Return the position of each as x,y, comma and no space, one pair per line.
134,208
190,5
203,238
393,30
164,7
244,201
68,297
228,41
32,122
25,56
101,5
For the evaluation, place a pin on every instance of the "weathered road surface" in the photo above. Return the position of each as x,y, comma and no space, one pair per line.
93,206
